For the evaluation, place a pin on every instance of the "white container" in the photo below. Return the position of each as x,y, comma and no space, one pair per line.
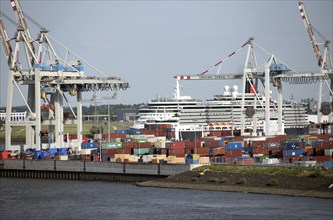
63,157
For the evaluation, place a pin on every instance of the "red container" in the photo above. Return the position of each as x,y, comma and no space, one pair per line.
258,150
218,151
177,145
149,132
95,158
142,145
215,133
257,143
233,153
324,136
85,157
203,151
321,159
245,162
238,138
323,145
130,144
177,152
211,143
164,151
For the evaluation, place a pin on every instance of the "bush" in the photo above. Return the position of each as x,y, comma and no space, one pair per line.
272,183
195,178
224,180
316,174
242,181
214,180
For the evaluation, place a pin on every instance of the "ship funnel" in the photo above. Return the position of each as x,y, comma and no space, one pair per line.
226,90
235,91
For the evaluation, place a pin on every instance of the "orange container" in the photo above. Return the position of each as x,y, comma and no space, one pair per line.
4,155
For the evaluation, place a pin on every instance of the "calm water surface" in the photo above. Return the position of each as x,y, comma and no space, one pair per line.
64,199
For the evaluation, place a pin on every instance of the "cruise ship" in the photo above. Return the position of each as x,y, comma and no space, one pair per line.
221,113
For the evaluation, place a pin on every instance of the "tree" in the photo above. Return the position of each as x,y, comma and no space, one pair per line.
96,130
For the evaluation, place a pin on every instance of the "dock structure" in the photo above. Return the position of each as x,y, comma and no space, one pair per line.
89,170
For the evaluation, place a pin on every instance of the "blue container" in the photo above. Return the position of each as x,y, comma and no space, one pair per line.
38,155
79,68
248,150
53,150
37,66
122,131
290,153
328,164
46,68
279,67
222,141
89,145
210,152
62,151
58,67
135,131
189,156
49,89
188,161
46,153
29,150
234,145
69,69
290,146
243,158
127,139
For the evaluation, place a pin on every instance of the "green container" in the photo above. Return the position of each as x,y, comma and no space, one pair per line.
138,151
112,145
140,140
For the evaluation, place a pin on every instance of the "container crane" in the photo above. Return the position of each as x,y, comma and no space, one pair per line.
48,82
250,73
277,75
23,35
324,63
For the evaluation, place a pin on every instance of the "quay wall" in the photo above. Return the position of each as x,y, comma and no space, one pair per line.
88,170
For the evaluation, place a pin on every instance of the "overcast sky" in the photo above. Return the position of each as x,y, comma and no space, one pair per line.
149,42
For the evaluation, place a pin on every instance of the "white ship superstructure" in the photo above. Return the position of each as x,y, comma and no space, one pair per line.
223,112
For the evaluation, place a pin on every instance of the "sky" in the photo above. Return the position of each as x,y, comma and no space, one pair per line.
147,43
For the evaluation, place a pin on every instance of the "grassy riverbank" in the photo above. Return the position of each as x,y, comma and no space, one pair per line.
291,181
18,132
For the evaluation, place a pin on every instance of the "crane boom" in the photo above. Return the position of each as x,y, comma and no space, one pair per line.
210,77
19,14
312,38
5,42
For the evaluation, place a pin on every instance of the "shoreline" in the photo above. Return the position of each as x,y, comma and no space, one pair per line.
237,188
253,183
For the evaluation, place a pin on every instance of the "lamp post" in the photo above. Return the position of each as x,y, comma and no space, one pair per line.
108,122
109,126
100,143
195,137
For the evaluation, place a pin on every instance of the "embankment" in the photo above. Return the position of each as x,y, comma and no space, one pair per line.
248,183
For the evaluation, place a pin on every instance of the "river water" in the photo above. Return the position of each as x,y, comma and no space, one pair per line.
64,199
